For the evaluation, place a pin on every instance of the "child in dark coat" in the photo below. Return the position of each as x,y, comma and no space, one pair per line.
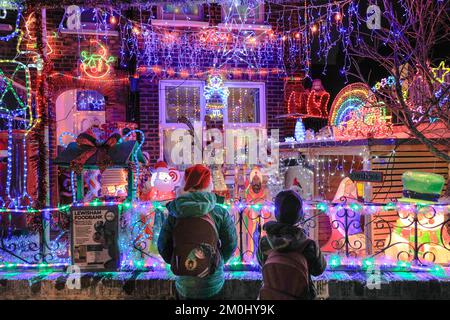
285,237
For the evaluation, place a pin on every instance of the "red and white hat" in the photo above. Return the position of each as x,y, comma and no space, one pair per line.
161,166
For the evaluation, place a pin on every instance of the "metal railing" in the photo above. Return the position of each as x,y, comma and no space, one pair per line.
414,233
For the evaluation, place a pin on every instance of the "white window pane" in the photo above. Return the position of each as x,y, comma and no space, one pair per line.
168,145
243,105
182,101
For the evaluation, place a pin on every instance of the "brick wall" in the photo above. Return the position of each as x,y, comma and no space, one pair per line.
67,75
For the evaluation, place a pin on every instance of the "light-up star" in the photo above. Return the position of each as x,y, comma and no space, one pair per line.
440,72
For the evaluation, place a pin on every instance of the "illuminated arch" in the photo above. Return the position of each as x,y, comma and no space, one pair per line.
350,98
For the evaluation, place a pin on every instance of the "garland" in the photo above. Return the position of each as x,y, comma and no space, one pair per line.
37,133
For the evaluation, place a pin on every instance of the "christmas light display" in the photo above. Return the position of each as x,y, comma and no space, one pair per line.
18,114
356,113
440,72
351,98
300,133
216,86
238,48
96,64
131,257
236,41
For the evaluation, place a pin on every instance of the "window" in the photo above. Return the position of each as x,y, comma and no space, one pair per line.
78,110
184,98
238,14
180,12
180,98
246,104
90,100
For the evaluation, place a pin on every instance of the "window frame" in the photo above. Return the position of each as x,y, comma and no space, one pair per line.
262,105
163,125
180,16
261,11
162,100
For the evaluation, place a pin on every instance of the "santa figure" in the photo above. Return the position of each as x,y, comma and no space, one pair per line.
254,214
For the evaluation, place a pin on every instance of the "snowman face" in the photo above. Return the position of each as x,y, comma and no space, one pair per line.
163,181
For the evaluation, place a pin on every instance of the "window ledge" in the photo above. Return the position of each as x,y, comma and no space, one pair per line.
255,27
180,23
111,33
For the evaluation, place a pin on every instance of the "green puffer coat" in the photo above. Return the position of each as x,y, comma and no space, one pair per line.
195,204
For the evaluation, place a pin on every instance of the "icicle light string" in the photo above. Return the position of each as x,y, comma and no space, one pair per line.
318,18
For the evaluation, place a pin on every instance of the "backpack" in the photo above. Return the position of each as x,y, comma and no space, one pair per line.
195,247
285,277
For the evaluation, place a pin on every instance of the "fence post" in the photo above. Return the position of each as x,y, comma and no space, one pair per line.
347,227
241,243
416,239
45,235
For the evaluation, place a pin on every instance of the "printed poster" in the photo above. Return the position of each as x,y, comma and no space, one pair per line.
95,232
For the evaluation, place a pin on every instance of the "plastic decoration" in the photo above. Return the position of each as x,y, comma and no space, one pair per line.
300,133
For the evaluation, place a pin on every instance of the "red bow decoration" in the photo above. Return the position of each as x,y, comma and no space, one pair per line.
87,141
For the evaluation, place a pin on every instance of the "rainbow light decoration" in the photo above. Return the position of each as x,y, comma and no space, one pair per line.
349,99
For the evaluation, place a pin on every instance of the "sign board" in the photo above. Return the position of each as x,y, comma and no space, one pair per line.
368,176
95,233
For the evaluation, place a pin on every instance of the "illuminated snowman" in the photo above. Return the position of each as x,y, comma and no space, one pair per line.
421,189
159,188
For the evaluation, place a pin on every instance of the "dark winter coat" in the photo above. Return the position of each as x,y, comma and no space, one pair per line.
287,238
195,204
